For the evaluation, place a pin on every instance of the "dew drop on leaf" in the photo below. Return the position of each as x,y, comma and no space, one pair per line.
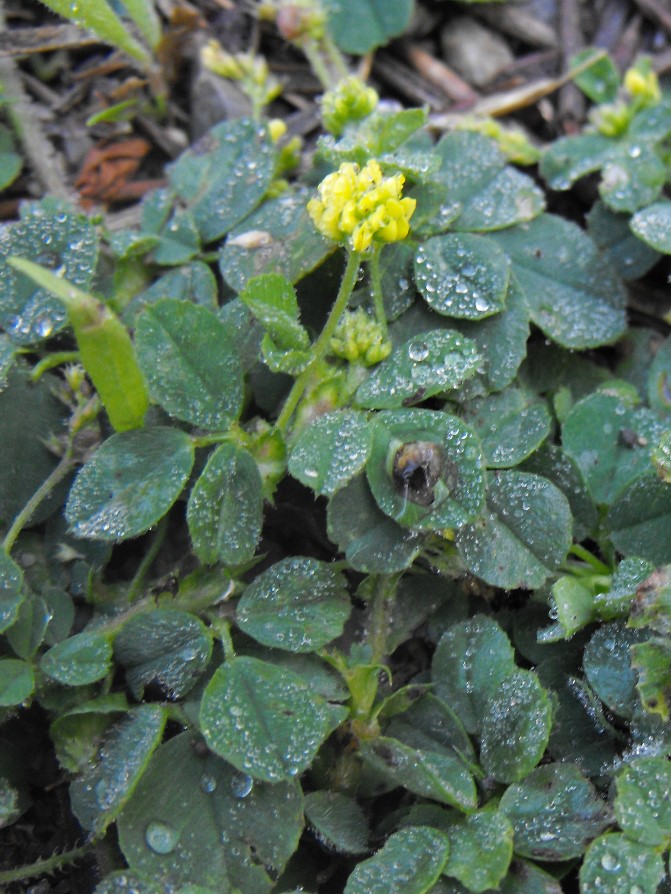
161,838
241,785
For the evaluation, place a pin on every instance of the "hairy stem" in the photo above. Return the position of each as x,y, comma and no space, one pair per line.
44,867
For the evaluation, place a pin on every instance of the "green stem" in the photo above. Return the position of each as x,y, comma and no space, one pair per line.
140,575
51,361
335,56
58,473
314,57
320,347
584,554
376,289
44,867
383,600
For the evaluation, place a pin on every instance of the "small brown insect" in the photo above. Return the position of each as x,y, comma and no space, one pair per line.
416,470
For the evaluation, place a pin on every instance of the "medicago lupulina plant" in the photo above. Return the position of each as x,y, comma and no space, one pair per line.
394,606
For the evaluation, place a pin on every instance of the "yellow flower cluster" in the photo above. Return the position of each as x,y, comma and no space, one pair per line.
359,206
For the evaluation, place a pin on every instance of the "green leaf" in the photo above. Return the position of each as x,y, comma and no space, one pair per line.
601,80
643,801
527,878
489,194
224,176
524,534
424,366
10,161
462,275
371,541
163,651
11,590
263,719
515,727
225,507
147,20
552,463
298,604
409,863
554,812
595,436
640,520
29,416
511,425
191,366
572,293
81,659
17,681
122,882
337,821
614,865
272,300
659,376
653,226
209,826
471,661
330,452
27,633
607,665
616,602
429,724
501,339
652,661
100,17
51,234
77,733
425,469
99,793
277,238
630,257
439,775
481,848
632,172
359,26
129,483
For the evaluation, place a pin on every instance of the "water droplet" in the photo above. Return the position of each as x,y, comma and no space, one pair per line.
481,305
609,861
418,351
208,784
44,326
241,785
161,838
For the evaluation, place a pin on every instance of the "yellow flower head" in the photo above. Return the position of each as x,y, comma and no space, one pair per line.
359,206
641,82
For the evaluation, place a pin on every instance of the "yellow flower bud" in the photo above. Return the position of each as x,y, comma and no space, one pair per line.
361,206
640,81
350,101
276,128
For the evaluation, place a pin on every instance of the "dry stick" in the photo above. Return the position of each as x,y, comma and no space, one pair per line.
657,11
571,100
40,153
441,76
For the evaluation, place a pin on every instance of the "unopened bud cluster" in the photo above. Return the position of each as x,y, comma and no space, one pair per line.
358,206
360,338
